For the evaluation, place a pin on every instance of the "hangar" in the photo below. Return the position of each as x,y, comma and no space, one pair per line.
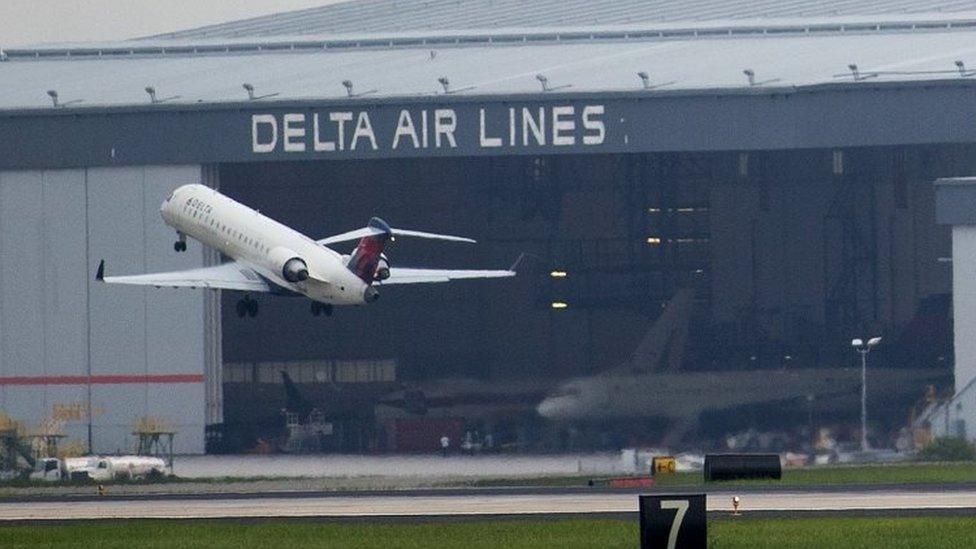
778,160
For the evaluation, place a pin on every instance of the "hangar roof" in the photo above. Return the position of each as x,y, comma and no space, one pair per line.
676,60
399,15
785,45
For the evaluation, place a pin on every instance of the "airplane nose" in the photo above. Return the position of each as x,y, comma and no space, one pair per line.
371,294
547,408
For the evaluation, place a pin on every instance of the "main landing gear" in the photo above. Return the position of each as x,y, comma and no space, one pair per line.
247,307
319,309
180,245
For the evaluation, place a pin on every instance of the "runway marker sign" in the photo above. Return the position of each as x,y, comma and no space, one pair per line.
663,465
674,521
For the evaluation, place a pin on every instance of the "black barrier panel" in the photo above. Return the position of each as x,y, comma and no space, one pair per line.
738,466
673,521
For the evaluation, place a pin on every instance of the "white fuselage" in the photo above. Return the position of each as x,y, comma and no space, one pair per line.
686,394
261,244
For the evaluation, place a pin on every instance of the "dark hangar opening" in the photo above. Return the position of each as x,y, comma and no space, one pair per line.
789,253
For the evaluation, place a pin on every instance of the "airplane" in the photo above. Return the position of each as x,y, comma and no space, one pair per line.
662,346
270,257
650,383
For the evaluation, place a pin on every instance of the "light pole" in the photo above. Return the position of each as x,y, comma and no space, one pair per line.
864,349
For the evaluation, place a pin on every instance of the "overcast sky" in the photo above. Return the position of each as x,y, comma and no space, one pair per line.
24,22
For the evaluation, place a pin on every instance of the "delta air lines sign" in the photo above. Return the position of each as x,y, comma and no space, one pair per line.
412,131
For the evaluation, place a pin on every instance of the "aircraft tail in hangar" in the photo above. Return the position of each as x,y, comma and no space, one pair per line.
663,347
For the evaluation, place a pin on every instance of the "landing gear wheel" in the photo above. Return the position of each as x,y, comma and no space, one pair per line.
179,246
252,308
241,308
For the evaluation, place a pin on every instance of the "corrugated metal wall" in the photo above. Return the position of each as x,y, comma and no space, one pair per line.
68,343
964,303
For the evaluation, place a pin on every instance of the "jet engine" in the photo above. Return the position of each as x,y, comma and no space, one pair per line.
291,267
382,268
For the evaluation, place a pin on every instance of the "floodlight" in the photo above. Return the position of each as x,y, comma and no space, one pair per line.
53,94
156,100
645,79
250,93
963,73
349,90
751,75
863,350
543,80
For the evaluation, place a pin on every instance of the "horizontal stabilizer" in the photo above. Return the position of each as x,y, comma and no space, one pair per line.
372,231
432,236
402,275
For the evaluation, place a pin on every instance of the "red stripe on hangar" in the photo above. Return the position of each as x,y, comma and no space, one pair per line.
100,380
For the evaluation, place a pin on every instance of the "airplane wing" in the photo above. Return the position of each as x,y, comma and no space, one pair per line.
229,276
403,275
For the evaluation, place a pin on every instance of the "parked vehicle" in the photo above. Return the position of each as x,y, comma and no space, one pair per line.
99,468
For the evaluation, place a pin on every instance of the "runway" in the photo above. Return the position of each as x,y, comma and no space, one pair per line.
473,504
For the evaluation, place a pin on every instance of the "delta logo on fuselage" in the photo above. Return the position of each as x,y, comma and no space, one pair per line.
417,129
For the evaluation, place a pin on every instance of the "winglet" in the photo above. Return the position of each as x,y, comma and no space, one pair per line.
100,275
518,261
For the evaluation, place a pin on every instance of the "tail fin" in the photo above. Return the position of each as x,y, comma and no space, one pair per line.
295,402
366,257
662,348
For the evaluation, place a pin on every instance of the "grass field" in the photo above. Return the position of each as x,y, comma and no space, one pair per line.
893,533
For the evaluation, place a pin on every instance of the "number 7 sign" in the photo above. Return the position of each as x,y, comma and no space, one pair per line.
673,521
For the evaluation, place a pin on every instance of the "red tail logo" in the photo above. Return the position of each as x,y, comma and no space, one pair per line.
366,257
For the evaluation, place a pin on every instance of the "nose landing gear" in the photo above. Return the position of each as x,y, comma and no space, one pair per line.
180,245
247,307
